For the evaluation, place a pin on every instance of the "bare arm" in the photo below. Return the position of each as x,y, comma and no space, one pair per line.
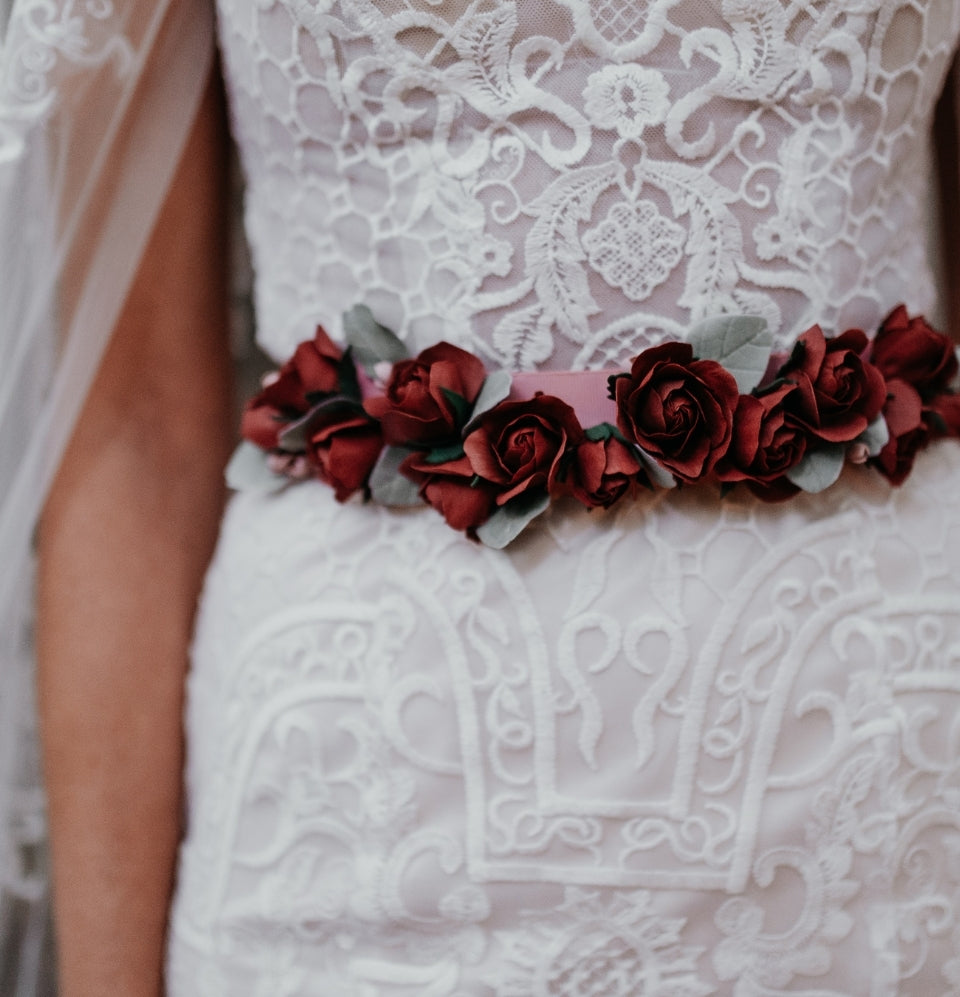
125,538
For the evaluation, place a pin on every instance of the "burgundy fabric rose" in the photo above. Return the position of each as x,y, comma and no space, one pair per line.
603,471
840,393
453,489
678,409
942,416
909,349
312,371
417,409
903,413
343,443
766,443
519,445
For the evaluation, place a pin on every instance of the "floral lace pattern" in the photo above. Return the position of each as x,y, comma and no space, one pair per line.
420,766
672,749
561,184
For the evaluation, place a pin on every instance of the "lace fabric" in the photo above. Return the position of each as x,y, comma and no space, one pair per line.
580,180
683,748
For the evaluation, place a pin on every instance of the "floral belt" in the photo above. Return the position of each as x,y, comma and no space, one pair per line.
490,450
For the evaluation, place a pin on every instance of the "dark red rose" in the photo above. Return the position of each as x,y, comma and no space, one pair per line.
909,349
840,393
417,409
678,409
602,471
453,490
903,413
520,445
942,416
766,442
312,370
778,490
343,443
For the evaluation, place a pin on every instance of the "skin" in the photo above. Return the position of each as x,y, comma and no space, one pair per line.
130,523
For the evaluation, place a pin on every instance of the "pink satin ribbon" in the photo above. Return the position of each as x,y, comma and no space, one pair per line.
585,391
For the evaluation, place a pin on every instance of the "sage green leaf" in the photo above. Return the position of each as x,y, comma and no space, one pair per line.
819,469
459,404
875,436
659,476
371,342
495,388
347,381
509,521
247,471
443,455
294,437
741,343
603,431
387,485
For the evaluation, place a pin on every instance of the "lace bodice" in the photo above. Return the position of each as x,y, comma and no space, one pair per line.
557,183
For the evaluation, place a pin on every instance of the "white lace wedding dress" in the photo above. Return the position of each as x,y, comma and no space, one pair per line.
688,747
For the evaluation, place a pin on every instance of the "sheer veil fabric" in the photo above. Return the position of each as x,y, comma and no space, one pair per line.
96,99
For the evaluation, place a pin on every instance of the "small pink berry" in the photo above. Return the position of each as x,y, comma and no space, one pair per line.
382,372
858,453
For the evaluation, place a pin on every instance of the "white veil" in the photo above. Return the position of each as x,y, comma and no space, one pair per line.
96,99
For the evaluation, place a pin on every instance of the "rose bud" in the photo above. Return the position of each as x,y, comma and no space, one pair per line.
909,349
311,371
678,409
603,471
344,443
452,488
840,393
417,409
942,416
766,443
520,445
903,413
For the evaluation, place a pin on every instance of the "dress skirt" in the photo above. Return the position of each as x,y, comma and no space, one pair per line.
696,745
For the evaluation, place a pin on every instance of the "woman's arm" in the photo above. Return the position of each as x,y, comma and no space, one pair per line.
124,541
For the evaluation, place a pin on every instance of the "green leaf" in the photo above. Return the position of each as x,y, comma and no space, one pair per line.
657,474
603,431
247,471
509,521
797,354
742,343
875,436
819,469
387,485
371,342
294,438
774,385
937,423
347,382
441,455
495,388
459,404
